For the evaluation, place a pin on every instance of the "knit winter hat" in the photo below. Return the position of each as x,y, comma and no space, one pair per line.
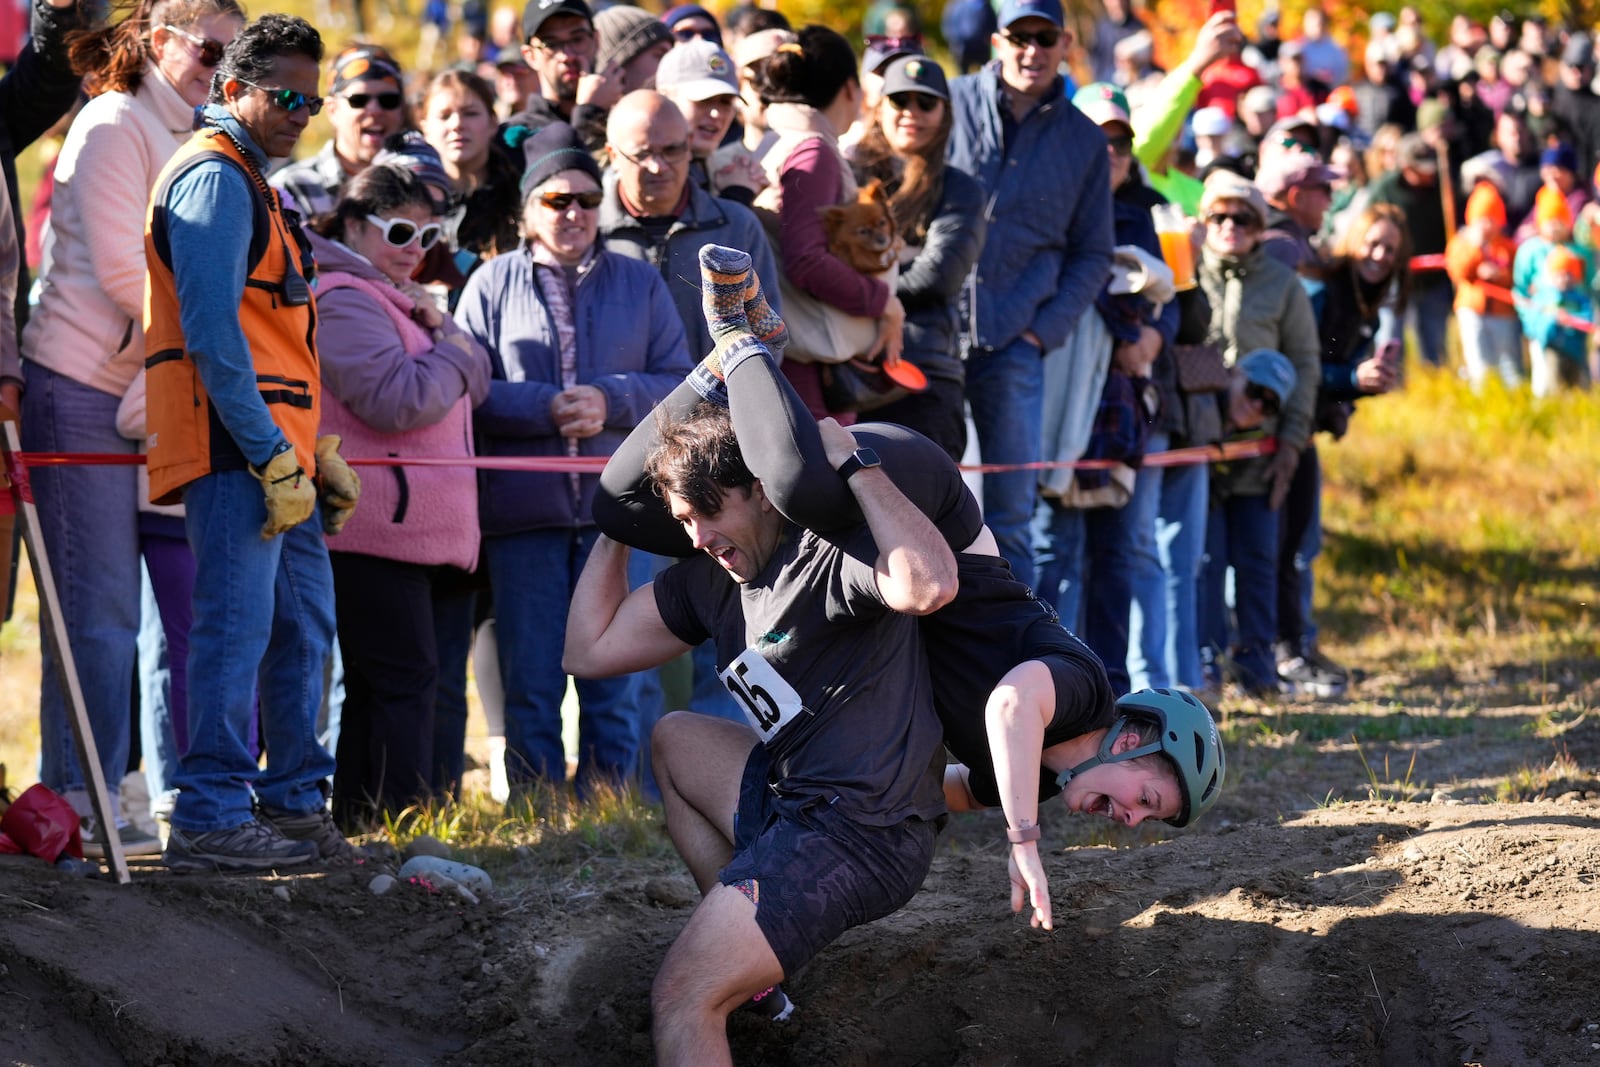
1564,262
1485,205
552,150
1551,206
1226,185
627,32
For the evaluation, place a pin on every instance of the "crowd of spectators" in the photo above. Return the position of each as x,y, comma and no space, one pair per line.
1099,257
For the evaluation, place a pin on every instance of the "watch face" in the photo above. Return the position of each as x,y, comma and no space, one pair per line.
866,457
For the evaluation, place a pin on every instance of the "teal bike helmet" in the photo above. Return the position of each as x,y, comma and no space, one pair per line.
1188,738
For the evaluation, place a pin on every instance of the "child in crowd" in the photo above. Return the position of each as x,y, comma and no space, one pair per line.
1550,290
1478,259
1557,338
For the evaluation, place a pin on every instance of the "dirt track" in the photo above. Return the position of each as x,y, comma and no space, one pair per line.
1406,934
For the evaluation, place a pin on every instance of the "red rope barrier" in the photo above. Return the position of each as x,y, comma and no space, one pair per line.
1177,457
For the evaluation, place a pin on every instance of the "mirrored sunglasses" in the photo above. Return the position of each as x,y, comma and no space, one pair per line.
209,50
401,232
288,99
589,201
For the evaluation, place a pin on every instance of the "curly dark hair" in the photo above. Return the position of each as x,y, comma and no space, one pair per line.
254,53
378,190
698,458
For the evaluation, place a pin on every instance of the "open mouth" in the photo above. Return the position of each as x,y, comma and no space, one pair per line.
1099,804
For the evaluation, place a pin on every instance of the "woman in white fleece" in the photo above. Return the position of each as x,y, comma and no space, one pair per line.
84,347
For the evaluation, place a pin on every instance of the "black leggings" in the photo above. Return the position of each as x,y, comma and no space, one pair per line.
782,447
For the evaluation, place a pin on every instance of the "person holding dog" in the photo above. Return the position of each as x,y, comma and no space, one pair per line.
938,212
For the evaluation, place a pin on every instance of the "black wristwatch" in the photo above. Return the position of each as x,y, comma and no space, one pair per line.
860,459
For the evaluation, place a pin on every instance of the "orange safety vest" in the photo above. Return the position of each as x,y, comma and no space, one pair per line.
186,439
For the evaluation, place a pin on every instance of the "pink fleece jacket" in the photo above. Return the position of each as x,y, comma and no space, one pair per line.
425,515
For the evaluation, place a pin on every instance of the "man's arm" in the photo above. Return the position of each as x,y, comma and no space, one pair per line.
210,252
916,571
611,631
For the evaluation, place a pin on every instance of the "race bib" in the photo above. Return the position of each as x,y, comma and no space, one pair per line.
768,702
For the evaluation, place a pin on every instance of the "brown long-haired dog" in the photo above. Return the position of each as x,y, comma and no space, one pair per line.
863,234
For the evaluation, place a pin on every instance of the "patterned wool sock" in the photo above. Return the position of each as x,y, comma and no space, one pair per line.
765,323
725,278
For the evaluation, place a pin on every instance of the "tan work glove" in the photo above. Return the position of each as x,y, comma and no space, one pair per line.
341,488
291,496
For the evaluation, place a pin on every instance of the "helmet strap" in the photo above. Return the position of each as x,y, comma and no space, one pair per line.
1105,755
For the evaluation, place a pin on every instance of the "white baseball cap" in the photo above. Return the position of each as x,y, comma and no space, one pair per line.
697,70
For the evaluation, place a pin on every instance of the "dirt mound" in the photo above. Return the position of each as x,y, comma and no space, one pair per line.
1405,934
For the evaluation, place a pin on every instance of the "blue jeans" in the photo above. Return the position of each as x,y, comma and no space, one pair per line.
1180,546
263,615
707,694
533,575
1429,315
1005,390
88,517
1058,536
1242,533
1123,542
157,739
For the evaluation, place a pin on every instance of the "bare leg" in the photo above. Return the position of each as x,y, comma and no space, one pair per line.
719,961
699,762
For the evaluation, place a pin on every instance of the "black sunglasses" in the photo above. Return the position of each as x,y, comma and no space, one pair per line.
690,33
908,100
1265,397
561,201
1121,146
289,100
209,49
387,101
1241,220
1043,38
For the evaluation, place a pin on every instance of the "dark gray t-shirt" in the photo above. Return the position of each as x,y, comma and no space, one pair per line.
833,680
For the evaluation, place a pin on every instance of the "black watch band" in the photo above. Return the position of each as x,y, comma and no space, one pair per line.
860,459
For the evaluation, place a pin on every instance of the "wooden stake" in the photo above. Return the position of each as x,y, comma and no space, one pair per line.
21,494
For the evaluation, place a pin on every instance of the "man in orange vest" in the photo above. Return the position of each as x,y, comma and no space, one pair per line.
234,398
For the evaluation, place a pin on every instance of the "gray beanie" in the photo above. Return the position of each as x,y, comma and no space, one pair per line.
626,32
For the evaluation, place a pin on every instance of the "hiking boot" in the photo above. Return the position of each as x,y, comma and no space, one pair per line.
255,846
135,842
1310,673
772,1003
316,827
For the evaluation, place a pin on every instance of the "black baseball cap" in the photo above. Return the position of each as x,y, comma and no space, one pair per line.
537,11
915,74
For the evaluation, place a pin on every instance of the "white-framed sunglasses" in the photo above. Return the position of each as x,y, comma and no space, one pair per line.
401,232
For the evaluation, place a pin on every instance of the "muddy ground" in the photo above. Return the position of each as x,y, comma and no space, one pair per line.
1448,929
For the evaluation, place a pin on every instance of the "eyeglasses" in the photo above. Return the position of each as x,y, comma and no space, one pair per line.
209,48
1241,220
387,101
1265,397
908,100
401,232
574,42
1121,146
1020,39
288,99
668,155
561,201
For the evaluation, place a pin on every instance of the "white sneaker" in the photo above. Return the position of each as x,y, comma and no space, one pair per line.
135,842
